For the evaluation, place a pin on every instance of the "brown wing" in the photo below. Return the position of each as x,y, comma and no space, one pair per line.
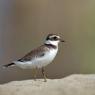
39,52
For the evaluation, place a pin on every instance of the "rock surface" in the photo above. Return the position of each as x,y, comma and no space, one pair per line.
71,85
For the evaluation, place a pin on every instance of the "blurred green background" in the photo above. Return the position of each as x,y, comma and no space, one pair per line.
24,24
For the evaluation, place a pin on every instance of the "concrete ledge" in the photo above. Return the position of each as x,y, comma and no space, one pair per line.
71,85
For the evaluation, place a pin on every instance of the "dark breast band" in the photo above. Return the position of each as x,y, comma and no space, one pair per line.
51,46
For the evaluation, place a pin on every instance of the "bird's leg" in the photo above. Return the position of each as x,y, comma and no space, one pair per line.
35,74
44,75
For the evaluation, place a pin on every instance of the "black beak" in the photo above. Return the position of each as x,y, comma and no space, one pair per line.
62,40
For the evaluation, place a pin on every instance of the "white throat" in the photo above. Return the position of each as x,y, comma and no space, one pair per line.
55,43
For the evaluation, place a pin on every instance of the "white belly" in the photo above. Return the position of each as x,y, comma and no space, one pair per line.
38,62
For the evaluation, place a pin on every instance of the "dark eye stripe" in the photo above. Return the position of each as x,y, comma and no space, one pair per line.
52,38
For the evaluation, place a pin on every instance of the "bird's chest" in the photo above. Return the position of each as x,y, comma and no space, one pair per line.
49,56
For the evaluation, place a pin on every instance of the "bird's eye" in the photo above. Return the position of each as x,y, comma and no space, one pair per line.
55,38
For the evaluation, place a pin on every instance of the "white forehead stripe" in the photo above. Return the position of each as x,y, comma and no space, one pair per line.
54,36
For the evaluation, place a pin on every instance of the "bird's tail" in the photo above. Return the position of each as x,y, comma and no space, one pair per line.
8,65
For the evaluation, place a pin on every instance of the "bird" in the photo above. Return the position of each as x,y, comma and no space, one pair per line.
40,57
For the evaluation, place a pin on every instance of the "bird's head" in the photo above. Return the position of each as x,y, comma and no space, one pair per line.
53,39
